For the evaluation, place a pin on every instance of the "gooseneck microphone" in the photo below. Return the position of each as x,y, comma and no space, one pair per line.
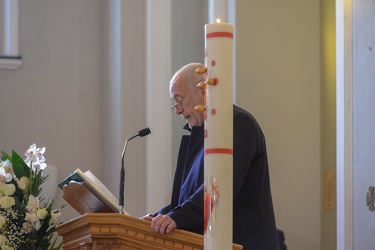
141,133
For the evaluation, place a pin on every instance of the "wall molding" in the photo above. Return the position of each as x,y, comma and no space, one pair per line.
344,62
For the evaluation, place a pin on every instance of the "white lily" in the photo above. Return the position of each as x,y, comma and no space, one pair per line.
32,204
55,214
4,176
34,155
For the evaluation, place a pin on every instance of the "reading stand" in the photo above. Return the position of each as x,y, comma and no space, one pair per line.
80,196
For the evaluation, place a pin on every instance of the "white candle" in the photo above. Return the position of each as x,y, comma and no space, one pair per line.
218,141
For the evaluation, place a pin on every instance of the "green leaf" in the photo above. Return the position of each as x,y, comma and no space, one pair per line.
19,166
53,241
37,179
5,156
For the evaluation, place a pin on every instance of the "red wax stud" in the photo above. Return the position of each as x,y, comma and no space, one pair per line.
215,81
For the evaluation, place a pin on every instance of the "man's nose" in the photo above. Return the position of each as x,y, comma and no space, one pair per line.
178,110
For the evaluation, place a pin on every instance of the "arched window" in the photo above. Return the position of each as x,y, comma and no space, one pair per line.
9,53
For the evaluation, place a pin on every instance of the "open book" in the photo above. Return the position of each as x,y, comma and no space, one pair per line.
87,194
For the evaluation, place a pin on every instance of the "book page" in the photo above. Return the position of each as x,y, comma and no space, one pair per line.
100,185
103,189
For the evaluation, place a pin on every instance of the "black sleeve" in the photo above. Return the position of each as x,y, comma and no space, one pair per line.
189,215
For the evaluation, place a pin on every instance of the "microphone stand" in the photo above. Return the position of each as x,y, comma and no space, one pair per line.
122,181
141,133
122,178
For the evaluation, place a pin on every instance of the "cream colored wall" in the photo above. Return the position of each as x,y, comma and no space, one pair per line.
278,80
54,98
134,105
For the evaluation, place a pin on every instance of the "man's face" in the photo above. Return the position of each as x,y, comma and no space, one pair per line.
186,98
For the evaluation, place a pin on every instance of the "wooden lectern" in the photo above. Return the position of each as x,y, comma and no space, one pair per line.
111,231
100,227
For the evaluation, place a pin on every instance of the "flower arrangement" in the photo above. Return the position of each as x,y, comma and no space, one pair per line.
24,222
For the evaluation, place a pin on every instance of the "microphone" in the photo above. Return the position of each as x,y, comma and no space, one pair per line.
141,133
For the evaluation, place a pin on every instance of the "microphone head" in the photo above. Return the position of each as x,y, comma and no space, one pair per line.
144,132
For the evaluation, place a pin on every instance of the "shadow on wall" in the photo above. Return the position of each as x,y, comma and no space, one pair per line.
281,236
49,190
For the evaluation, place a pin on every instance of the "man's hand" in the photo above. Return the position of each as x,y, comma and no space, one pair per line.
162,224
147,217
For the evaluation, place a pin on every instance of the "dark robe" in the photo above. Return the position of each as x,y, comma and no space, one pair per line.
254,224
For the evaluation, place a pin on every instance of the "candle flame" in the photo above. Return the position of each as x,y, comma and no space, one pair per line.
218,20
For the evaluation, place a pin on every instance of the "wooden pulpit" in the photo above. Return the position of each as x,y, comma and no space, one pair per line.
100,227
112,231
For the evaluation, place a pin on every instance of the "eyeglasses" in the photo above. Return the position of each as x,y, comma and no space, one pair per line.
179,104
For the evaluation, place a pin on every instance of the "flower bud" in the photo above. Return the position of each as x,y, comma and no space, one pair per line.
24,181
42,213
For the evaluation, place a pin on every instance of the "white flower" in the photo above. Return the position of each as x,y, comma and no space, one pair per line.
23,182
28,227
5,176
34,154
34,219
5,163
55,214
32,204
31,217
39,166
35,159
9,189
3,221
7,202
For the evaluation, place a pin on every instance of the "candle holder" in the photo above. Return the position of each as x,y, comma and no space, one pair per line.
199,108
201,70
212,81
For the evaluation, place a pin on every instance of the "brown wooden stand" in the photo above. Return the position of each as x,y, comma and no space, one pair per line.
111,231
82,198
